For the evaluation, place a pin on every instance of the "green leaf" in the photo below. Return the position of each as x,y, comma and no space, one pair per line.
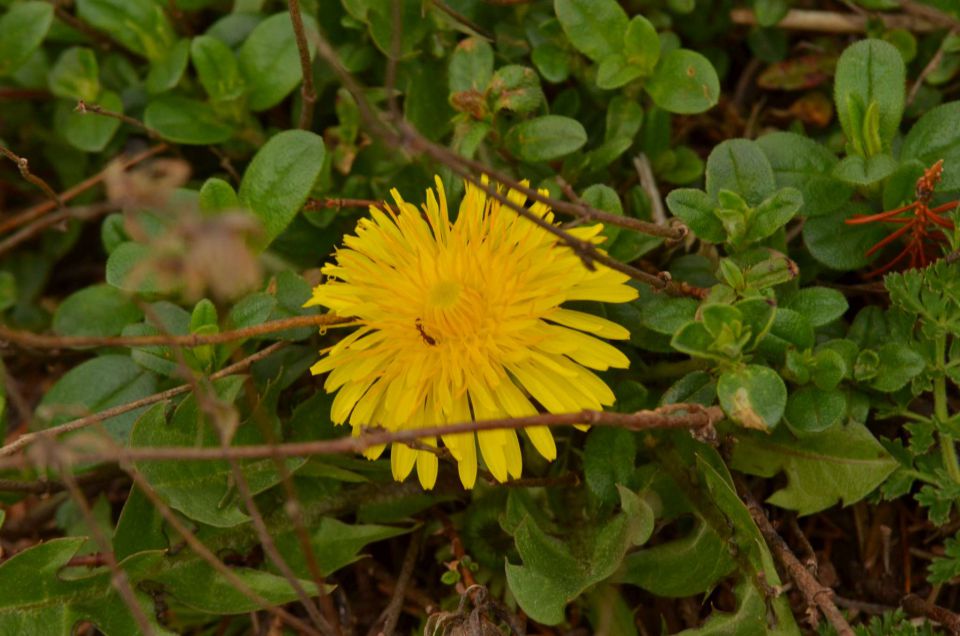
947,567
838,245
695,208
551,576
683,567
608,460
842,463
819,305
684,82
811,410
36,600
641,44
193,582
898,364
98,310
205,491
545,138
615,71
870,72
139,25
754,396
197,489
165,72
694,339
87,131
594,27
217,68
471,66
516,88
936,136
738,165
857,171
22,29
139,528
129,267
186,121
278,181
335,544
773,213
95,385
270,61
806,165
8,290
76,75
216,195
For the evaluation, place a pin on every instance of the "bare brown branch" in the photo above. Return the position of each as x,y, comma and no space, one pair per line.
25,440
24,167
39,210
673,416
45,341
307,90
815,594
833,22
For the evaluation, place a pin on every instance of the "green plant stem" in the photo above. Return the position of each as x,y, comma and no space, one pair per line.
947,445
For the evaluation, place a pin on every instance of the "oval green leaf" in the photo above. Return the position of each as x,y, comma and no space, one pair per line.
545,138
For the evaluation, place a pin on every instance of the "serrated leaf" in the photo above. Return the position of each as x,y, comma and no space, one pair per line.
844,463
36,600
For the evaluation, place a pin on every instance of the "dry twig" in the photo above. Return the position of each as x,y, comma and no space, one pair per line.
815,594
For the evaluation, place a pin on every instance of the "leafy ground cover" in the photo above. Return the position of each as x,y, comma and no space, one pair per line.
479,317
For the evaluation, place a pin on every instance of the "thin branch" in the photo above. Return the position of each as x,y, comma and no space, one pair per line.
39,210
83,422
85,108
464,20
815,594
930,67
326,204
207,555
23,165
411,140
916,606
649,184
45,341
833,22
294,511
84,213
391,613
307,90
119,578
390,80
673,416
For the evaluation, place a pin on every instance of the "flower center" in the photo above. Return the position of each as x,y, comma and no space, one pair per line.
445,294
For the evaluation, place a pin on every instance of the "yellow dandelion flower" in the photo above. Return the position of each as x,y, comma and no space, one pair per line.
463,320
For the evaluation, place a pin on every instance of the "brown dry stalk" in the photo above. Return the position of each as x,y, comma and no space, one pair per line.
815,594
307,91
673,416
83,422
833,22
40,209
45,341
24,167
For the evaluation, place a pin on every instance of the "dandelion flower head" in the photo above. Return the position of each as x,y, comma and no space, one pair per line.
462,320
